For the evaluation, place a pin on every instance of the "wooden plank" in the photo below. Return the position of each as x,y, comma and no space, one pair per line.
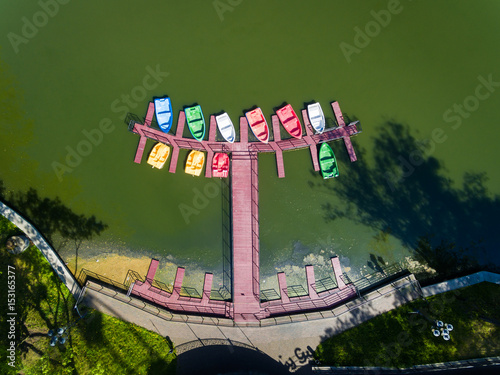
245,302
312,145
338,114
179,276
212,131
140,149
243,130
283,287
278,152
337,269
181,121
173,159
350,148
149,114
153,266
207,288
311,282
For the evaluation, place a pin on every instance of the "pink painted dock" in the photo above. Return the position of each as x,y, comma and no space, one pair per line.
312,146
346,137
245,306
277,150
142,141
310,140
212,132
175,301
246,285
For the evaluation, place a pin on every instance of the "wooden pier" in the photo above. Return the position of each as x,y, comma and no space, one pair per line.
245,306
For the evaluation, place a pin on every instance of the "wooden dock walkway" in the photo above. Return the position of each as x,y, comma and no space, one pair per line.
142,141
212,132
312,145
277,150
310,140
345,135
174,300
178,133
246,286
245,305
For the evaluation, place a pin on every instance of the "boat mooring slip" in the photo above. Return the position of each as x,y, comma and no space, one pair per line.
246,305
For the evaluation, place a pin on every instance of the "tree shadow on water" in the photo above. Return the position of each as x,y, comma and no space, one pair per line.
402,188
54,220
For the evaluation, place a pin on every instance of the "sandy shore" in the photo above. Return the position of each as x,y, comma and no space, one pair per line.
112,266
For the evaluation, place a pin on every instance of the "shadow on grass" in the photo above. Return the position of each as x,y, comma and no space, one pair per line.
401,188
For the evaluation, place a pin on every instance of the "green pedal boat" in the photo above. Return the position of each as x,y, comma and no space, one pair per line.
327,162
196,122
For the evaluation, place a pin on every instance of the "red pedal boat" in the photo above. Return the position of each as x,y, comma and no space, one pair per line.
220,165
290,121
258,124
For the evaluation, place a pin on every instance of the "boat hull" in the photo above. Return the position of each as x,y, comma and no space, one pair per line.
257,122
290,121
163,111
159,155
195,122
226,127
328,162
316,117
220,165
194,163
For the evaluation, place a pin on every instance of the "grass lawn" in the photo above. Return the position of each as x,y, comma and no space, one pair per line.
400,338
97,344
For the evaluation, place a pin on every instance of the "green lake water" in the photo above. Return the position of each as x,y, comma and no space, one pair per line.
87,64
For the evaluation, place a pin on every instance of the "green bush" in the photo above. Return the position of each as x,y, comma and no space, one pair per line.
402,338
97,344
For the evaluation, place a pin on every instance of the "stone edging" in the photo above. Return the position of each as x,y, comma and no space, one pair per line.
461,282
41,243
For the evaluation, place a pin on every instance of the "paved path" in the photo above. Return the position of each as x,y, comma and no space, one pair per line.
289,344
41,243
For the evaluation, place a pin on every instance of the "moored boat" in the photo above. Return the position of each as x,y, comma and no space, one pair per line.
194,163
220,165
159,155
163,110
290,121
196,122
258,124
328,162
226,127
316,117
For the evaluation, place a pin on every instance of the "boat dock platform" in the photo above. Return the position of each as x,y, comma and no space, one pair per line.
277,146
246,306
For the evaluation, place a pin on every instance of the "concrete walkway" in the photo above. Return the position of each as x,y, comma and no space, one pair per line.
461,282
290,344
41,243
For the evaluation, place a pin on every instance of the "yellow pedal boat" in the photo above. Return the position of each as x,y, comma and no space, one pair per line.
194,162
159,155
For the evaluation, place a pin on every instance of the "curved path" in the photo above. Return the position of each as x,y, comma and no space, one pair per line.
41,243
